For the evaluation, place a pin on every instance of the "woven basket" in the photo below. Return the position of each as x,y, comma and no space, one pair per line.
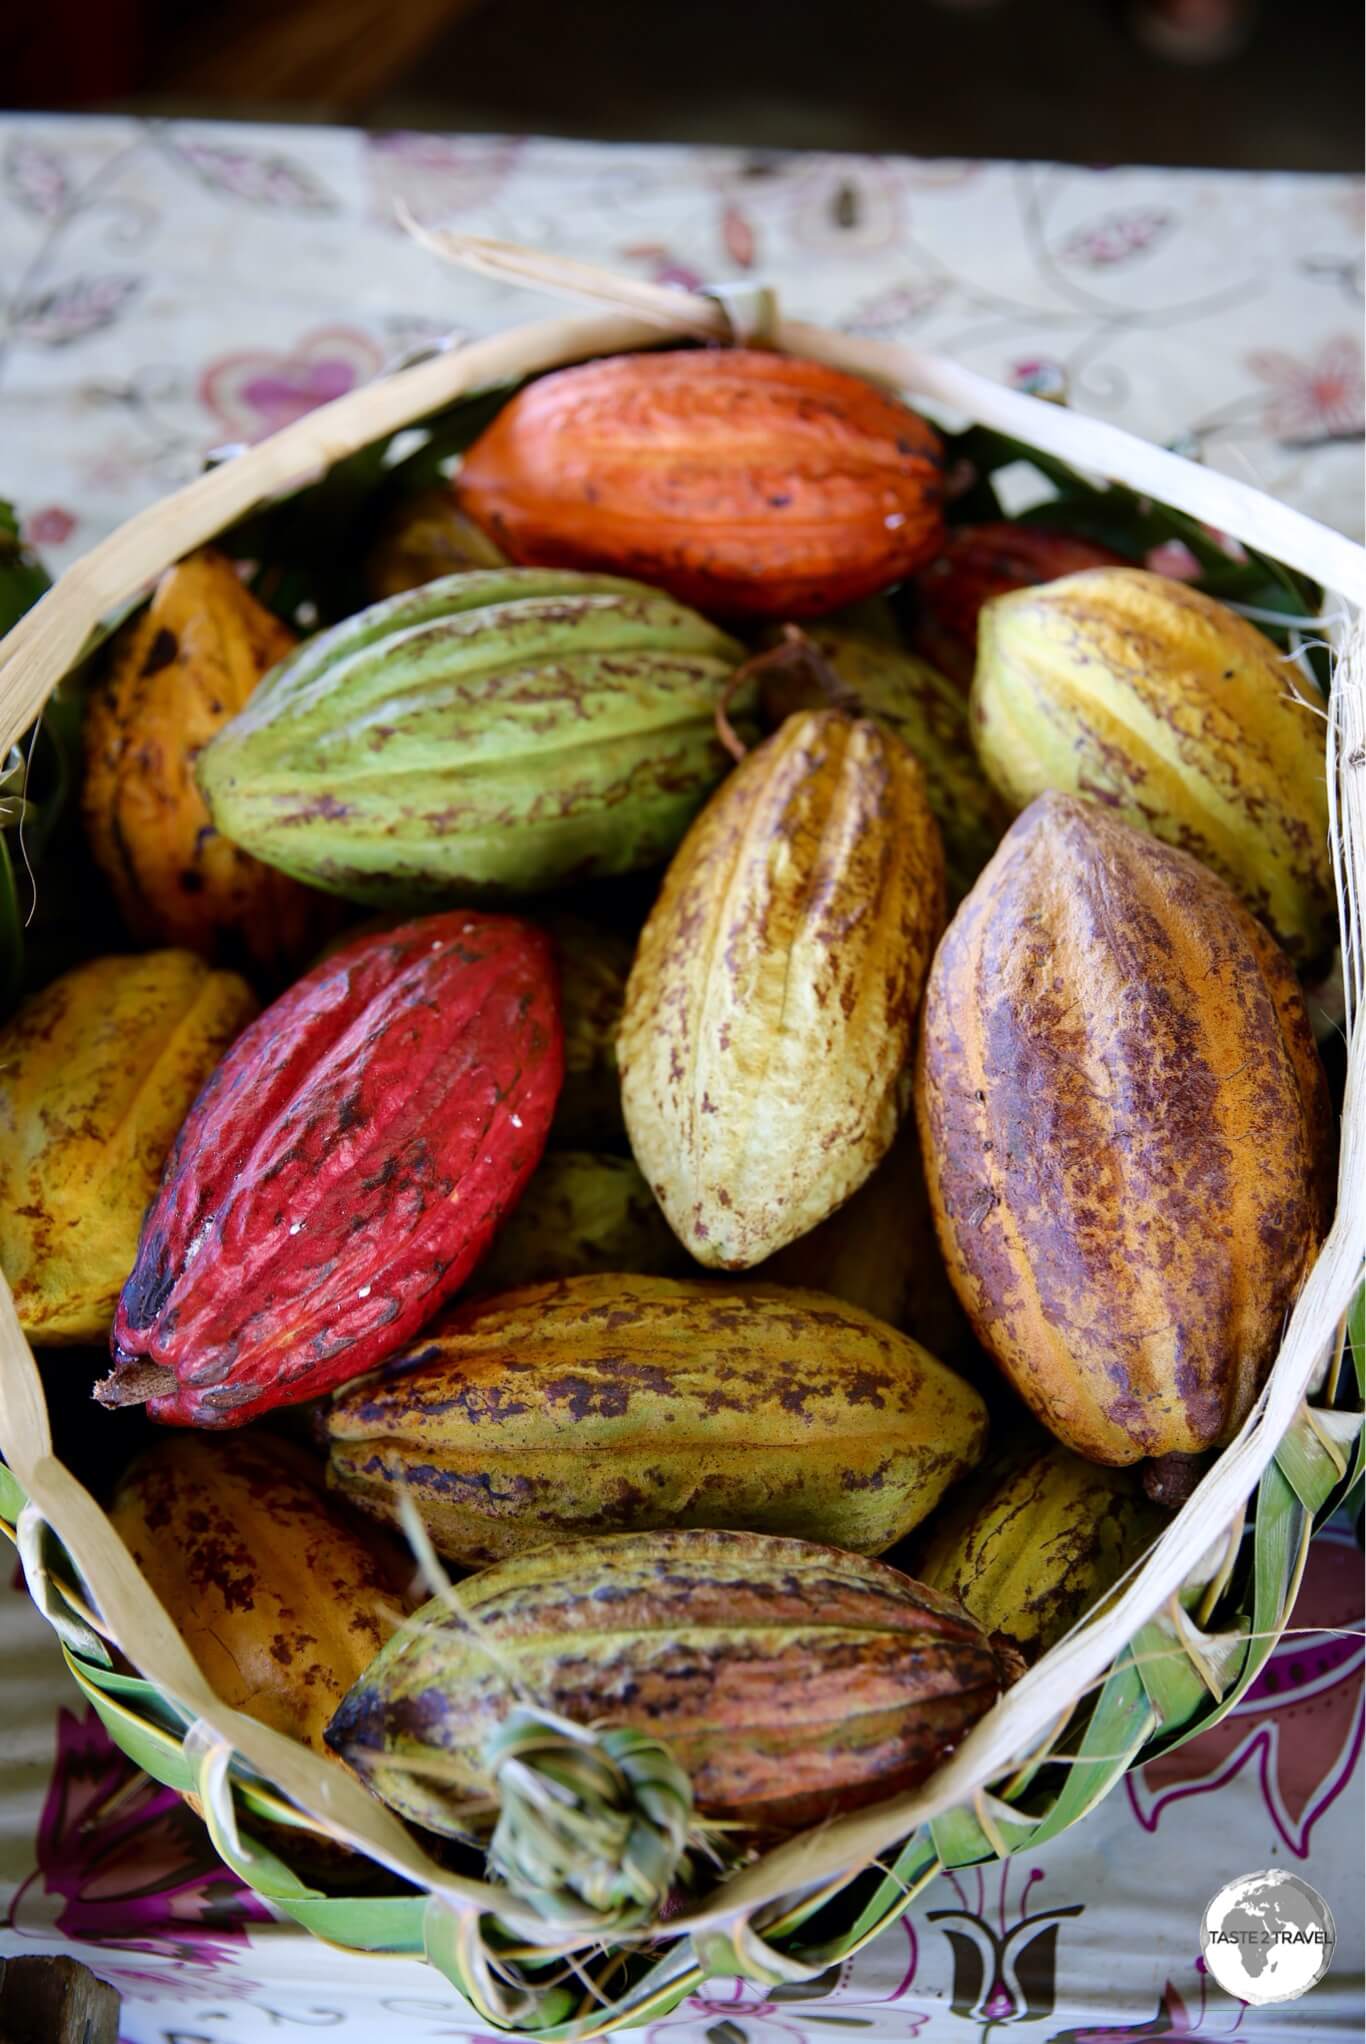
1136,1677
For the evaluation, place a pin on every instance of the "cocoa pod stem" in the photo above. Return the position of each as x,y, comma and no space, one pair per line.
797,658
135,1384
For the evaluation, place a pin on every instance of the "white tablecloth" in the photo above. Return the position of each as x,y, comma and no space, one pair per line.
174,286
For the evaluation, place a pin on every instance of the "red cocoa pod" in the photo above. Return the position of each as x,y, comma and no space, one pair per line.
343,1170
745,482
977,563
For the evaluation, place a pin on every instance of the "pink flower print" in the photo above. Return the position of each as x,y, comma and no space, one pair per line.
123,1861
256,393
1308,403
1040,376
52,526
1117,237
437,176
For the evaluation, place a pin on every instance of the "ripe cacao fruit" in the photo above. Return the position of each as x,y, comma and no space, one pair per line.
1126,1132
926,711
281,1600
746,482
879,1252
177,672
594,964
769,1013
343,1171
582,1211
1181,716
427,536
1030,1545
97,1073
614,1403
976,563
496,733
791,1681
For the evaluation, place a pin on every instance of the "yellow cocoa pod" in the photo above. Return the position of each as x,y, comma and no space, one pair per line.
582,1211
280,1598
97,1072
425,537
770,1009
611,1403
1180,715
879,1251
176,674
1029,1545
1127,1133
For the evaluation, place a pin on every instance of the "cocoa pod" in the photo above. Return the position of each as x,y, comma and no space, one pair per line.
1031,1544
343,1171
281,1600
791,1681
1126,1131
1178,714
618,1403
926,711
977,563
746,482
879,1251
495,733
427,536
594,964
177,672
582,1211
769,1013
97,1073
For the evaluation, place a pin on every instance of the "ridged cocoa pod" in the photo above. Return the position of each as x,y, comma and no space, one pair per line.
594,964
1033,1542
769,1015
583,1211
1181,716
1126,1131
747,482
792,1681
976,563
177,673
281,1600
879,1251
924,709
343,1171
494,734
427,536
97,1073
616,1403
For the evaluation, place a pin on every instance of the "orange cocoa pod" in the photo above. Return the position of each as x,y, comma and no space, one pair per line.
745,482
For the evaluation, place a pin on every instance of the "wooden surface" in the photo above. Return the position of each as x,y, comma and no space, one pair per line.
55,2001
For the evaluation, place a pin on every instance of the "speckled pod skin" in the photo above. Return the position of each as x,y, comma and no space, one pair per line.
792,1681
1030,1545
1126,1131
97,1073
977,563
769,1015
278,1596
594,965
177,673
1180,715
747,482
492,734
931,715
343,1171
427,536
583,1211
616,1403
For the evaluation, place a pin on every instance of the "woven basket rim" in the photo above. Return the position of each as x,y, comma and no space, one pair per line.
49,642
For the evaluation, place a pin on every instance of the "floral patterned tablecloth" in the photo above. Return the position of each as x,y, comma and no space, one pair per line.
171,286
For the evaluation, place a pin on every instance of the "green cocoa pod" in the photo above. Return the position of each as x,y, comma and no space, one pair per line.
487,735
595,964
927,712
582,1212
1035,1540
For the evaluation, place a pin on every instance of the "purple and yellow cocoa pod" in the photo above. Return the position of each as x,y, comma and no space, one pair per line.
617,1403
791,1681
1126,1131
